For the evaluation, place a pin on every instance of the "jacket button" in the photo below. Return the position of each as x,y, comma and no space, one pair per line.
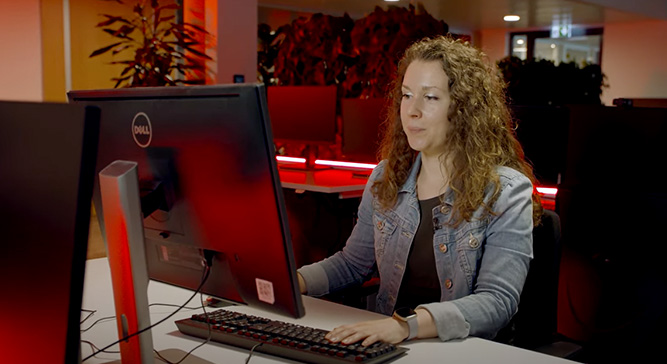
380,224
445,209
473,242
443,248
448,283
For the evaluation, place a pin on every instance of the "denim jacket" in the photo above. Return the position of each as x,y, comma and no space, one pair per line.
482,263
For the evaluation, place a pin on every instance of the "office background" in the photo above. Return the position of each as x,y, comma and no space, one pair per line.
46,44
35,40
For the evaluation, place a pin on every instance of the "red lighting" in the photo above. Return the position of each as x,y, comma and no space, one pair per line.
281,158
323,162
547,191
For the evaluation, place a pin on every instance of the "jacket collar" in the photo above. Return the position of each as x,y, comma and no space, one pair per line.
410,185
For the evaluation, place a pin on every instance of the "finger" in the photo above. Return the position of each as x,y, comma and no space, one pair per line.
370,340
338,334
351,339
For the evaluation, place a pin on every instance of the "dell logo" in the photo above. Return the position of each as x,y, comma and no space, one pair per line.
142,131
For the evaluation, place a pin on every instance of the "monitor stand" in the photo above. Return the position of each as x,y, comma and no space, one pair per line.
121,204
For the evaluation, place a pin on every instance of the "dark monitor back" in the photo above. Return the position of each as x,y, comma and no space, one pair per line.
612,203
47,161
303,113
542,132
361,120
606,143
208,180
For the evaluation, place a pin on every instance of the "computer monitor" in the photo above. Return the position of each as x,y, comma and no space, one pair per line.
47,164
303,115
361,120
613,195
543,134
209,185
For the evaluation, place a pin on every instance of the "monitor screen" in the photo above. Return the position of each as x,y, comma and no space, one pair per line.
305,114
47,164
209,184
361,120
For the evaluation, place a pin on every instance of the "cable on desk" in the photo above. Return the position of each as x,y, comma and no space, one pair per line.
94,347
98,321
90,313
113,317
208,339
173,305
206,273
252,351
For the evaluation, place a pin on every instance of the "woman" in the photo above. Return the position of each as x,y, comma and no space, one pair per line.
447,216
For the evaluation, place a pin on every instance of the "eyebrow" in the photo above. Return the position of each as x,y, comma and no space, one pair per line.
424,88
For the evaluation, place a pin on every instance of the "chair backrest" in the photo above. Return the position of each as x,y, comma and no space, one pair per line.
534,324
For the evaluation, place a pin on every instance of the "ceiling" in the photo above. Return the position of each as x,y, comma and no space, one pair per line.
471,15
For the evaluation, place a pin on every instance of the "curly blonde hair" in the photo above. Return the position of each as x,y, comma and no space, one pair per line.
481,135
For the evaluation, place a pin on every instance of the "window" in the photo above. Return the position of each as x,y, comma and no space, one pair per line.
579,45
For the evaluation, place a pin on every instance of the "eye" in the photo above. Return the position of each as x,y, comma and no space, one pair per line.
406,96
431,97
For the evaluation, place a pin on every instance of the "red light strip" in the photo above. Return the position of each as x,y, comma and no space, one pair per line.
281,158
547,191
323,162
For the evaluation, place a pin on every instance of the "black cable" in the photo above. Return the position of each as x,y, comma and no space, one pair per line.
113,317
94,347
251,352
90,313
98,321
206,273
173,305
208,339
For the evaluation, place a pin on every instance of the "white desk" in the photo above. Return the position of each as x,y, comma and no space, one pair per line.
319,313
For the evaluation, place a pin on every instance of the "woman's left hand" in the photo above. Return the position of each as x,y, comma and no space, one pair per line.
387,330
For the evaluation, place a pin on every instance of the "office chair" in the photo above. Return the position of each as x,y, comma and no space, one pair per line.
534,325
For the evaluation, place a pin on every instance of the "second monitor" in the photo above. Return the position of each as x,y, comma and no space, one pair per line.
303,115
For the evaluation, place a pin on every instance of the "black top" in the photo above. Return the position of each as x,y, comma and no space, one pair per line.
420,282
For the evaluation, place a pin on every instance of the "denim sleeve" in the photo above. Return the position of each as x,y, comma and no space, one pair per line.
355,262
503,270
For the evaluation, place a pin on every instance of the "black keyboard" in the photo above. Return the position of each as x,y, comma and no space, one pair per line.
296,342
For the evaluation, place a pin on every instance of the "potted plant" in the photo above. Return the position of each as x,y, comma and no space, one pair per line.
161,50
542,82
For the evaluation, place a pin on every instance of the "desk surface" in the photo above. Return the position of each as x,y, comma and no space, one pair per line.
326,180
319,313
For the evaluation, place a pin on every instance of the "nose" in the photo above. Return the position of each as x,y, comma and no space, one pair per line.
412,107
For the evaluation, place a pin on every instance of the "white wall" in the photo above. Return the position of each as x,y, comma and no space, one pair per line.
21,60
634,59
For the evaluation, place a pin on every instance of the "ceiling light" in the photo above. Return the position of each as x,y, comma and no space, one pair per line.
391,1
519,41
511,18
553,46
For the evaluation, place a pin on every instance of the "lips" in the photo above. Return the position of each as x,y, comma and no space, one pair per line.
414,129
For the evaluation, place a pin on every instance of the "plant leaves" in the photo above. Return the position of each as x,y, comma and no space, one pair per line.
166,18
103,50
120,49
170,6
200,54
110,20
121,32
